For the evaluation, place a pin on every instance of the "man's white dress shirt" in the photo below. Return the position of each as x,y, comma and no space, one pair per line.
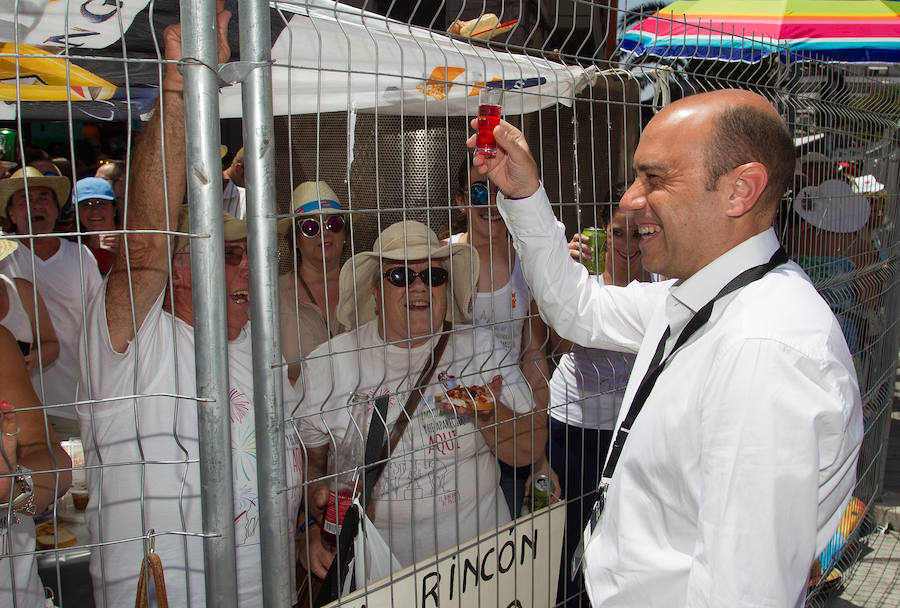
737,470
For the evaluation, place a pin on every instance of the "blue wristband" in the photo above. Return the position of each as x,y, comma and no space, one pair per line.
302,528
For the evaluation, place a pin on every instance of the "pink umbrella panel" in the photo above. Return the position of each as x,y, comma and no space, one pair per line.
749,30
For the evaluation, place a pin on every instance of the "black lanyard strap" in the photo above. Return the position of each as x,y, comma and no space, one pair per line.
657,364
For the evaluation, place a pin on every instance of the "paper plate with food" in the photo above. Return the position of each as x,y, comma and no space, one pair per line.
466,399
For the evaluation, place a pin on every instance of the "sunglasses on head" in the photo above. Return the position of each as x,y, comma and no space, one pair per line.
479,193
403,276
310,227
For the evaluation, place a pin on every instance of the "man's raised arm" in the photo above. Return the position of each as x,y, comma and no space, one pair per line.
141,267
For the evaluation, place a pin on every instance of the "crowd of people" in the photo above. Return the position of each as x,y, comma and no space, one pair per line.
700,343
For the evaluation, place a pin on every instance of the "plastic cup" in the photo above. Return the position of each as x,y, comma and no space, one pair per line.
79,497
490,103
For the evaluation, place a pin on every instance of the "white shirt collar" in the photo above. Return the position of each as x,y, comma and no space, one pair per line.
704,284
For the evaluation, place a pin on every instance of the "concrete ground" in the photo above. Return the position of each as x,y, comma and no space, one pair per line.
875,580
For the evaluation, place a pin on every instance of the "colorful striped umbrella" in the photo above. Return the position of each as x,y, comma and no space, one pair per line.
748,30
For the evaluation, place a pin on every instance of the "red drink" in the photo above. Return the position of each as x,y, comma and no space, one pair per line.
334,515
488,118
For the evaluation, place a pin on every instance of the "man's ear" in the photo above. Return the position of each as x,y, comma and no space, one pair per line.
745,185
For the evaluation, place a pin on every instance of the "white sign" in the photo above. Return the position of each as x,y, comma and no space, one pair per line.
514,566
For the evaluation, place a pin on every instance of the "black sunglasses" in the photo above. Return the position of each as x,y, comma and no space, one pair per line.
402,276
479,193
234,254
95,202
310,227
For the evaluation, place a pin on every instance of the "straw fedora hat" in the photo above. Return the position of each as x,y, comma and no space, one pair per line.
15,182
832,206
7,246
409,240
311,198
234,229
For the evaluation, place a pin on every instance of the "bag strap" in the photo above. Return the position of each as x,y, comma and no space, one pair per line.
142,598
378,451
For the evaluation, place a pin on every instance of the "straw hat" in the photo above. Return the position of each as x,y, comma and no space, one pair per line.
409,240
832,206
311,198
7,246
36,179
234,229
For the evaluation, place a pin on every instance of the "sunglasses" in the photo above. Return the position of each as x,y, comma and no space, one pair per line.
234,254
403,276
95,202
310,227
479,193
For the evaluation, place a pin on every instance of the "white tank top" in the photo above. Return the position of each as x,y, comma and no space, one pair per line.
16,320
504,309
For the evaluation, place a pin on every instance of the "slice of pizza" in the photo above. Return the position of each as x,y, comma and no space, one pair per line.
475,397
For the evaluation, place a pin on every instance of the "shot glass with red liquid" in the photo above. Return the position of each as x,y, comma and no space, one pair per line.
490,101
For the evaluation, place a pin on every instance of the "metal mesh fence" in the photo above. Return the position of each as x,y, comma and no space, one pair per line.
367,106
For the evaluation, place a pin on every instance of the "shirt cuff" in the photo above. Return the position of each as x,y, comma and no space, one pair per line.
527,216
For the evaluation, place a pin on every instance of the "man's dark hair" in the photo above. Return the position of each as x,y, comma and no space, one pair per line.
744,134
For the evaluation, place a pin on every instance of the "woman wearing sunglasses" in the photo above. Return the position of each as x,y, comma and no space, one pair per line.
309,293
502,302
441,483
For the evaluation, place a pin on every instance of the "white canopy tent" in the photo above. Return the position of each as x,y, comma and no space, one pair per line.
327,57
334,57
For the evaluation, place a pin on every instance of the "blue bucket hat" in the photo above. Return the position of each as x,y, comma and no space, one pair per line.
93,187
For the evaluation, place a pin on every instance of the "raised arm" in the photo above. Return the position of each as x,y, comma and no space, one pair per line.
577,308
140,270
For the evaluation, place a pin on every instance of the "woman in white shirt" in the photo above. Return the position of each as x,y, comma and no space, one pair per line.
502,302
309,293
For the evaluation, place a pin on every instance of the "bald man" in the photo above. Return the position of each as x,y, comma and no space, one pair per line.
736,446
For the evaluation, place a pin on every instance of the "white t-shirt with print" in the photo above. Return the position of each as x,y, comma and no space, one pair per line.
441,484
59,281
148,444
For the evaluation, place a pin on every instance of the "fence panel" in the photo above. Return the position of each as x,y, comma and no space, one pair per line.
225,456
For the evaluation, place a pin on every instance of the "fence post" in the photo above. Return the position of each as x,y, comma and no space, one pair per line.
204,170
259,169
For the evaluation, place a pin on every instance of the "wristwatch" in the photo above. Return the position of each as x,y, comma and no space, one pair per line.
23,496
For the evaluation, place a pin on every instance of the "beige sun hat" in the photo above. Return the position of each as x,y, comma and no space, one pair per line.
15,182
234,229
409,240
7,246
832,206
311,198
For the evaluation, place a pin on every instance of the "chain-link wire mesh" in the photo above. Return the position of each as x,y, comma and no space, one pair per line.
373,103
